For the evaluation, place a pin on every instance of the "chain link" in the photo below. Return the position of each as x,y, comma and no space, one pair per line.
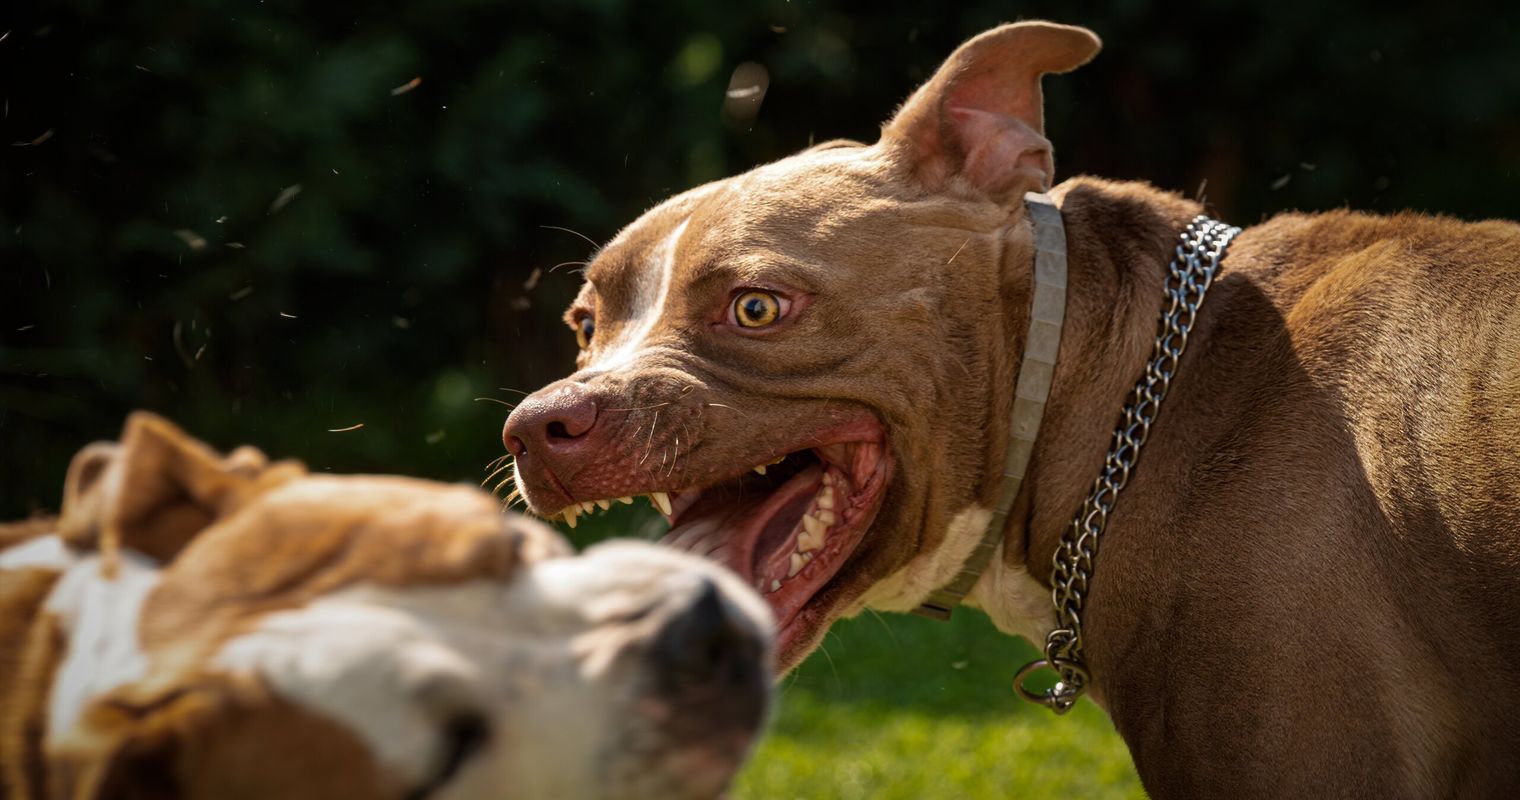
1189,277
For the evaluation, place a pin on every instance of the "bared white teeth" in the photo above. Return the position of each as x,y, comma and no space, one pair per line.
826,497
796,564
807,541
604,504
625,500
775,584
825,516
760,469
570,514
813,532
661,501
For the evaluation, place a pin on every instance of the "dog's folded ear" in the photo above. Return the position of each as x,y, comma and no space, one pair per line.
980,121
215,738
156,489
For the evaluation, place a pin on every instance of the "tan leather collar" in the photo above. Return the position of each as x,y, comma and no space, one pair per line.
1046,316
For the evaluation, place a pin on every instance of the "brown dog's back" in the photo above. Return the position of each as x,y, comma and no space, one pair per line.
1337,577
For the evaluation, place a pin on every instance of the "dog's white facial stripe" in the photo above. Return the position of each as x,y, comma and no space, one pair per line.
650,306
100,618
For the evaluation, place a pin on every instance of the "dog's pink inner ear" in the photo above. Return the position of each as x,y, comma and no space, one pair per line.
981,117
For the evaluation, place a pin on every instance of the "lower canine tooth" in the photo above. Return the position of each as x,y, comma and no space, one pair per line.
570,516
808,541
760,470
796,565
661,501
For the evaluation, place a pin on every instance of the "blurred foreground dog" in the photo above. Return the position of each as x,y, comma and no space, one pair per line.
1310,584
199,626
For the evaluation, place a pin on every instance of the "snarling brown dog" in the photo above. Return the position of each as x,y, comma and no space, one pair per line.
197,626
1310,585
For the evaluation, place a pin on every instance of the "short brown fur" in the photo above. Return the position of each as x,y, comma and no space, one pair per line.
1311,586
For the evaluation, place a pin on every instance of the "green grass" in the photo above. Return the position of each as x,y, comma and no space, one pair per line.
896,706
903,707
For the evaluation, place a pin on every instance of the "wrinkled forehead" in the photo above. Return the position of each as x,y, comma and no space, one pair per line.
771,206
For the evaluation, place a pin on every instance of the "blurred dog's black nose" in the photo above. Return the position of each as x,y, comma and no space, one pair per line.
709,644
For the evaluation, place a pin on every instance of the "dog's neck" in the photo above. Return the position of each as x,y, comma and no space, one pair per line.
1119,240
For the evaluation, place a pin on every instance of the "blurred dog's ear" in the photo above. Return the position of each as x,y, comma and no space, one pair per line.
155,489
212,737
981,118
122,749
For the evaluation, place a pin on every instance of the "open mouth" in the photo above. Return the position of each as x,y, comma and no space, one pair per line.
789,524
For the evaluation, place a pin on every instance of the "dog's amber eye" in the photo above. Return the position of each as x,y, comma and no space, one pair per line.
585,328
756,309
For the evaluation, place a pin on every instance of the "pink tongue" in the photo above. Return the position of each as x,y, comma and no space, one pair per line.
730,529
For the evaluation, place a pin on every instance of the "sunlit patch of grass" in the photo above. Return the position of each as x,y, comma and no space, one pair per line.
902,707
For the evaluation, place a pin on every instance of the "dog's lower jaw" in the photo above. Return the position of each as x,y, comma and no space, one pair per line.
929,569
1009,594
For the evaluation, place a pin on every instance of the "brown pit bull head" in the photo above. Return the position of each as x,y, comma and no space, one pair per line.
794,362
202,626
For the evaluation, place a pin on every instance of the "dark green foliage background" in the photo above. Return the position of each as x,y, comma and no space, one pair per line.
403,258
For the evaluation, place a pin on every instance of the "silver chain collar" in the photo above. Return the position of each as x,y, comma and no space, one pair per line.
1189,277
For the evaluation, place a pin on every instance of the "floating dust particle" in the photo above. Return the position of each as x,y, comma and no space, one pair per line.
235,245
4,36
1307,167
240,294
435,437
191,239
401,322
407,87
221,219
46,135
533,277
287,316
25,328
345,430
1280,182
284,197
143,68
519,304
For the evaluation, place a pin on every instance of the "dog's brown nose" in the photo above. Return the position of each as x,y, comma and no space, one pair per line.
550,425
